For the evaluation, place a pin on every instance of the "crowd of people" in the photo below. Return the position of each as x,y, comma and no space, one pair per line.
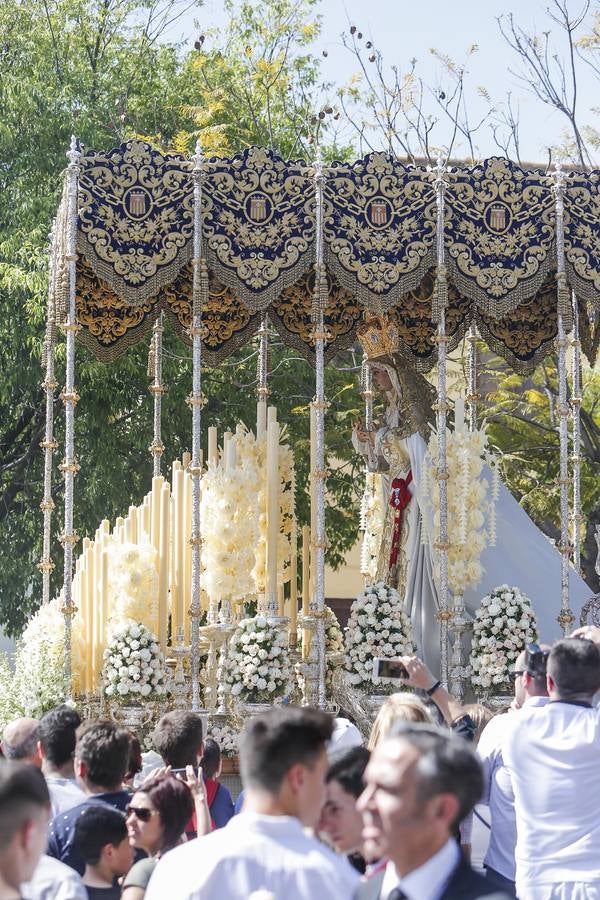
84,814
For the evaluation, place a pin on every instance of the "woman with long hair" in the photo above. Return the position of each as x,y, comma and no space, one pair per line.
157,817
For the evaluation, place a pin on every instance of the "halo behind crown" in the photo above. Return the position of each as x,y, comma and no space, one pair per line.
378,336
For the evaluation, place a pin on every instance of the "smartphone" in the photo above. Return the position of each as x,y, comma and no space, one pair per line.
183,771
388,668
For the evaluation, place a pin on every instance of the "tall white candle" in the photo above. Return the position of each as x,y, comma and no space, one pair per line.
163,569
230,451
272,508
213,451
261,418
294,581
313,483
177,590
271,415
226,439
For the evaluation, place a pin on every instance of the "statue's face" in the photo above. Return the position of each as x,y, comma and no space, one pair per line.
382,380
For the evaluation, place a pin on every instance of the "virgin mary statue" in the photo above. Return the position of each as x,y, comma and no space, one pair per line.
396,449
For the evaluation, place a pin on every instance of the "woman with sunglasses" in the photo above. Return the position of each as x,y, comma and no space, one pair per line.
156,820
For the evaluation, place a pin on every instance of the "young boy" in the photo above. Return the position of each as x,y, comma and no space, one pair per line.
101,839
24,815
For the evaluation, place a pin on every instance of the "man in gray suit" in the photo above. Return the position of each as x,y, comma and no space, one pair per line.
419,784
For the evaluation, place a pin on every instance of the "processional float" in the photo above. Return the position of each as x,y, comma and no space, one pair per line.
218,247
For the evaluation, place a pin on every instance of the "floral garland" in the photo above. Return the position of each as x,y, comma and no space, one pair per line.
229,516
371,523
504,625
38,682
378,626
468,504
132,589
249,447
226,737
334,636
134,666
257,666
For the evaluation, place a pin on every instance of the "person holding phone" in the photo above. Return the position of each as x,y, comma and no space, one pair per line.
156,820
411,671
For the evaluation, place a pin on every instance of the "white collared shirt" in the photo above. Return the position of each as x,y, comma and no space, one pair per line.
429,881
498,793
552,755
251,853
65,793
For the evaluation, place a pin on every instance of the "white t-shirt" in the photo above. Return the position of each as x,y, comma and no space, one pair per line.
498,789
53,880
553,757
64,793
251,853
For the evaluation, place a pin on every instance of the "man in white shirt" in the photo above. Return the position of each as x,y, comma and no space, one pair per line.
530,693
57,736
283,764
552,755
420,782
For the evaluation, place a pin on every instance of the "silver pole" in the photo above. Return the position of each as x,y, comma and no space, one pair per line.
565,618
49,444
472,396
69,397
444,615
157,389
320,405
196,401
576,400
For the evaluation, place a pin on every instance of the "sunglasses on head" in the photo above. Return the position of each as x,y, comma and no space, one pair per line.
141,813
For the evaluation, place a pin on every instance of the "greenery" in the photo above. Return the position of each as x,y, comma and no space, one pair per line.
98,67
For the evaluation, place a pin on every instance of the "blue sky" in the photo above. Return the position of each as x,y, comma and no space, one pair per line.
402,30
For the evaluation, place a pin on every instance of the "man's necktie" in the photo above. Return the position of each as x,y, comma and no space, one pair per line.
398,894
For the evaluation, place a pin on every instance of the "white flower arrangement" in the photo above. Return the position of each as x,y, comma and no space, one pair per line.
468,504
378,626
132,589
248,447
38,683
226,737
504,625
334,637
371,524
257,666
134,666
230,531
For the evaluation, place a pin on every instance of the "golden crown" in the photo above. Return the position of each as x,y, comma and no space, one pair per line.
378,336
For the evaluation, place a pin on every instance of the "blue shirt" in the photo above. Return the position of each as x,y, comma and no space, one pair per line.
221,809
61,831
239,803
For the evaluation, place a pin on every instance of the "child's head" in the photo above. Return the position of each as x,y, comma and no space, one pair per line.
211,759
101,838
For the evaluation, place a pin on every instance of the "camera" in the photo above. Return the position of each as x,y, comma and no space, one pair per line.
536,660
389,668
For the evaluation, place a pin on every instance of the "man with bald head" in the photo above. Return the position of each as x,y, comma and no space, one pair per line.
20,741
531,693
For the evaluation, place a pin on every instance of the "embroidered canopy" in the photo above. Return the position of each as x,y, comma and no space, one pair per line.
135,249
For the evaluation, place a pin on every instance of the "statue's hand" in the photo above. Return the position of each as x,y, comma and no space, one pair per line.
365,437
